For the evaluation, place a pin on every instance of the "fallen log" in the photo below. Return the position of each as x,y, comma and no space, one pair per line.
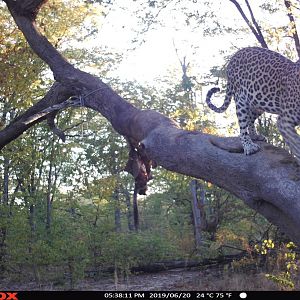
172,264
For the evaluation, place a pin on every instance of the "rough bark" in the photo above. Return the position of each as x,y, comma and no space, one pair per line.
266,181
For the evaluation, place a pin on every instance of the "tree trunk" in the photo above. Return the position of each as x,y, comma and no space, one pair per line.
49,188
287,4
253,25
136,211
5,181
129,210
4,214
197,219
118,227
32,241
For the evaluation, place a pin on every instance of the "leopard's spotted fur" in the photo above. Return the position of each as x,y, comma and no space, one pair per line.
262,80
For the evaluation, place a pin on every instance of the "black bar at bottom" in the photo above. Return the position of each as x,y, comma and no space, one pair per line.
111,295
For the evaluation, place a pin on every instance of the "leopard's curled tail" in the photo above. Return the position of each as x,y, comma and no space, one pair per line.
226,101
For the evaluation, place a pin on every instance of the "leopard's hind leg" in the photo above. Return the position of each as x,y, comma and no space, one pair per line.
243,114
253,115
287,129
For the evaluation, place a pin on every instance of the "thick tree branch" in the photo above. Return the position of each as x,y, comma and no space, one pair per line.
28,8
75,80
265,181
255,29
57,94
62,70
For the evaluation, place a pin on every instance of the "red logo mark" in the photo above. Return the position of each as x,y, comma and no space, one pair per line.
8,296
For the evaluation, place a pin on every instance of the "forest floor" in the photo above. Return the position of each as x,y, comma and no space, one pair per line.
172,280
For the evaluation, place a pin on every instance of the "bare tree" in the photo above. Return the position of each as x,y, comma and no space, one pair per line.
198,211
295,35
256,30
253,25
267,181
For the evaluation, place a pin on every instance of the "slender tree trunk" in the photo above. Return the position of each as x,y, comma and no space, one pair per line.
2,250
260,35
118,226
253,25
96,216
94,245
136,211
4,207
287,4
4,214
32,223
49,189
71,272
198,220
49,206
116,277
5,181
129,211
32,240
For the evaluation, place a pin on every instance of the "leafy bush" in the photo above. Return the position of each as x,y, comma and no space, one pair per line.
126,250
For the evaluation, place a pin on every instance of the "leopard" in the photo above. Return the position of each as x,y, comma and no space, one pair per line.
261,80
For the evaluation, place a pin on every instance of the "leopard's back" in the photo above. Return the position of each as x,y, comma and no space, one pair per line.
260,75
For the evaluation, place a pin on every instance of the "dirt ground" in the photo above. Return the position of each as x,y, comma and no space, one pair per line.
172,280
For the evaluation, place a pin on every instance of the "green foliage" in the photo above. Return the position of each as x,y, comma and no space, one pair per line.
265,246
287,260
127,250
